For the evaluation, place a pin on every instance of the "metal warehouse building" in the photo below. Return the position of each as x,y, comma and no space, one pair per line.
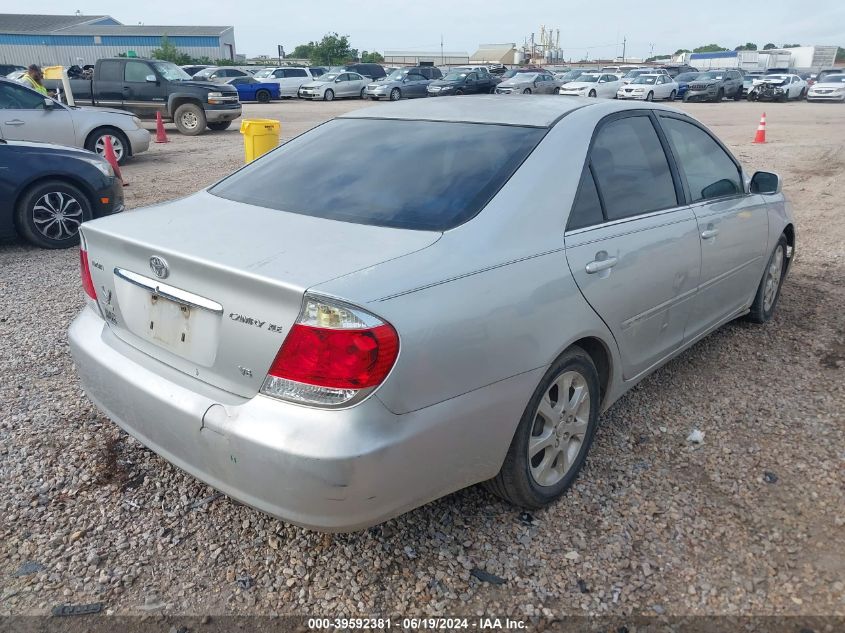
65,40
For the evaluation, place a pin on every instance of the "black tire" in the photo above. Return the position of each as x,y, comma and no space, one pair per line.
672,95
94,143
527,91
26,214
719,96
262,96
752,96
328,95
459,91
219,126
738,95
593,94
363,94
649,96
515,482
395,94
760,312
190,119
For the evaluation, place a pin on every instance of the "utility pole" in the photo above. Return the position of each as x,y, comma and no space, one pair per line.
624,42
651,50
441,49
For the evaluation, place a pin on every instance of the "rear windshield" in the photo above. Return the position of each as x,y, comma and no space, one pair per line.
421,175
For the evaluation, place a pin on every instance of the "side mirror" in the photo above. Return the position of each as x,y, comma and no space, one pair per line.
337,81
151,79
766,182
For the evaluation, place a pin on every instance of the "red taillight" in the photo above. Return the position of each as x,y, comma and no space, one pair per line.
338,359
85,273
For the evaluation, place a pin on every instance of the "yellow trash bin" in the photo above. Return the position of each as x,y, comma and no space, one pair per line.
260,136
52,72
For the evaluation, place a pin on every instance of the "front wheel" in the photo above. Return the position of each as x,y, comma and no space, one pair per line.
593,94
328,95
96,142
769,289
190,119
672,95
554,434
459,92
49,214
219,126
395,94
649,96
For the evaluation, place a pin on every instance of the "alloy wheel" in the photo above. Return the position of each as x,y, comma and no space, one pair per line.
116,143
57,215
560,427
774,274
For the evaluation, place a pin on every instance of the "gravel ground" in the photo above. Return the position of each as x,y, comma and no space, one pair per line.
748,522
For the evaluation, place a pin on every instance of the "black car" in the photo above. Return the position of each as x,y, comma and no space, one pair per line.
459,82
47,191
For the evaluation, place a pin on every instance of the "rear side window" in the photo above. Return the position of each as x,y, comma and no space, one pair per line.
423,175
110,71
295,72
631,168
708,169
586,210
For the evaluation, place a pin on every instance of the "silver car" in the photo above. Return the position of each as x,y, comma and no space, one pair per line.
336,345
26,115
334,85
528,83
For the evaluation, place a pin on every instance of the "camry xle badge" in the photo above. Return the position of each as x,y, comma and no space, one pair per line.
159,267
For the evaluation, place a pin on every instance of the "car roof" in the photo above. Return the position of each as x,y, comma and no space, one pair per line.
527,111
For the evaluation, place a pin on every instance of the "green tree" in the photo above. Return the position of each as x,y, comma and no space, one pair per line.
790,46
750,46
371,58
303,51
709,48
333,49
769,47
681,51
169,53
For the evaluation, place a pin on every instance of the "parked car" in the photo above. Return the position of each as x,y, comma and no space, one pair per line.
629,76
6,69
616,70
316,71
219,73
370,71
146,87
335,85
47,191
602,85
777,88
572,75
683,80
715,85
459,82
676,69
649,88
289,78
30,116
823,74
831,88
407,83
193,69
252,89
311,378
528,83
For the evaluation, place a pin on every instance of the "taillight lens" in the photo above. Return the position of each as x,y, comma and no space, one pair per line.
334,355
85,273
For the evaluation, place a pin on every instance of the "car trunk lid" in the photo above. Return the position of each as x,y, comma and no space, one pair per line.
211,287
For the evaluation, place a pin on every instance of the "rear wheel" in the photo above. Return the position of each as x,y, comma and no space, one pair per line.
328,95
363,94
262,96
459,92
768,291
190,119
49,214
554,434
96,142
527,91
395,94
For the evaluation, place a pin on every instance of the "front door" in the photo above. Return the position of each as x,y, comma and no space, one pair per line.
25,117
733,225
632,244
140,95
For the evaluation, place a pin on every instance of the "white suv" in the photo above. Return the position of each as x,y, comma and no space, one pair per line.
289,78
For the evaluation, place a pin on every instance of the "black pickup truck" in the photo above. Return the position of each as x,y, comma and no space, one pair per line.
146,86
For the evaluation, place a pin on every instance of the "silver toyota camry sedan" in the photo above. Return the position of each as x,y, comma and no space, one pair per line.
435,319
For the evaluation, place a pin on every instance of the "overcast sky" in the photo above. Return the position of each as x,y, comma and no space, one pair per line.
594,27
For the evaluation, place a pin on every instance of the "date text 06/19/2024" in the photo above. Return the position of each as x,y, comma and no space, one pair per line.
448,624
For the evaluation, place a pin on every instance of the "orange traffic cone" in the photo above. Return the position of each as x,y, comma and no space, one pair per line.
110,156
760,137
161,135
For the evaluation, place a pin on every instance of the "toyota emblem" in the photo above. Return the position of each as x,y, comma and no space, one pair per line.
159,266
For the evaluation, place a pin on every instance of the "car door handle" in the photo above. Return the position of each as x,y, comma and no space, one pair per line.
598,265
709,233
14,122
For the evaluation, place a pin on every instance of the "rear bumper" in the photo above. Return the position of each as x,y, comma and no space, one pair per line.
338,470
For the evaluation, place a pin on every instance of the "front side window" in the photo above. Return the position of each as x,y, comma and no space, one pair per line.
136,72
709,170
631,168
13,97
423,175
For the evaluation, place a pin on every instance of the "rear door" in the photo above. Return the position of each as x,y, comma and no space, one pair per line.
107,87
632,243
143,90
732,224
24,117
417,84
